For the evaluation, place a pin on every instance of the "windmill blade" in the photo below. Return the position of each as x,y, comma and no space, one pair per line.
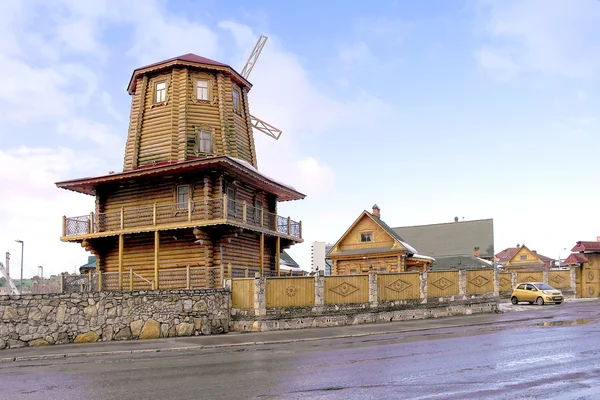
264,127
254,56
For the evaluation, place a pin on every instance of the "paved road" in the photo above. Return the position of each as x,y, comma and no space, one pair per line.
553,352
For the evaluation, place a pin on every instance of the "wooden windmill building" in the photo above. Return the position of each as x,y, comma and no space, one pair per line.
190,204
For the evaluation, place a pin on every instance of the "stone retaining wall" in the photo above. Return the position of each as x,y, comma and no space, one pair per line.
43,319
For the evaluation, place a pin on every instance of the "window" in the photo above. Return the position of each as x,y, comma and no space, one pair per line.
258,205
204,141
201,89
160,92
530,287
236,100
521,286
231,202
183,193
366,237
352,272
524,257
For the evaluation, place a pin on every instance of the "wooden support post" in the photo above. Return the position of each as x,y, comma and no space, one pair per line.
89,281
244,217
62,284
224,206
99,281
229,270
154,214
277,253
300,223
189,209
122,217
131,279
221,275
261,217
246,273
91,223
262,254
187,276
121,242
156,253
289,226
64,232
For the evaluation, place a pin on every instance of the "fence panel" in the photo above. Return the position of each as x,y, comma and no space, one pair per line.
173,278
76,283
290,292
346,289
402,286
505,280
480,281
530,276
442,283
559,279
242,293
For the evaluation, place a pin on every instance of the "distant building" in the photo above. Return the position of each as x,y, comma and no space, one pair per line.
287,263
521,257
319,261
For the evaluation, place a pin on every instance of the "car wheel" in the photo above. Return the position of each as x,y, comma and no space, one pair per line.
540,301
514,300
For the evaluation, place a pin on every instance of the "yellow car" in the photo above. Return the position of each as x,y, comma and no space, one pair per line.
536,292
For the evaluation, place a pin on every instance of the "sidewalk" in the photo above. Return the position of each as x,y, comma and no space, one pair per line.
256,338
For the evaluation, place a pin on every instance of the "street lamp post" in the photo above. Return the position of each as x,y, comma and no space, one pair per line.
41,272
559,252
22,251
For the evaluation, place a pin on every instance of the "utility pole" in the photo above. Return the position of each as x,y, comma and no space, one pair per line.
8,263
22,251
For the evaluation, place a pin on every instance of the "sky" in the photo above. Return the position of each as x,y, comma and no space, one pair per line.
430,109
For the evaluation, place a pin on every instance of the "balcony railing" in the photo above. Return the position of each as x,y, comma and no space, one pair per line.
192,211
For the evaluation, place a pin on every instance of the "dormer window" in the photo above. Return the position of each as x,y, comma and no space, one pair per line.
204,141
236,100
201,89
160,90
366,237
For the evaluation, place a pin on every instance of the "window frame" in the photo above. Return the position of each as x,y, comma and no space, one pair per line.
177,195
523,257
368,235
207,88
237,107
258,205
230,191
163,91
199,132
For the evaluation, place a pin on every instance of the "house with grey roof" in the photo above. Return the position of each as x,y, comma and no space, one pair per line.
454,245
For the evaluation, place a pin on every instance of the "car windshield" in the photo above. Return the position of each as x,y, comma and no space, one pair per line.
543,286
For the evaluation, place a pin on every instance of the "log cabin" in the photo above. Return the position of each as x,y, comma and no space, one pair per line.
370,245
190,196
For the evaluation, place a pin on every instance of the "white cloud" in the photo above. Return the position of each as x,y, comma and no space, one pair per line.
551,36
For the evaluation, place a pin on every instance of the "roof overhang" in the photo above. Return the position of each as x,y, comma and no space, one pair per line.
181,61
235,168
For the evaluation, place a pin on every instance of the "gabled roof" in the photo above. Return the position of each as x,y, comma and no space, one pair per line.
506,255
189,59
243,170
586,246
383,226
575,258
286,260
451,239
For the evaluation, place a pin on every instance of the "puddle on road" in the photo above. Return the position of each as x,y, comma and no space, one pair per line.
573,322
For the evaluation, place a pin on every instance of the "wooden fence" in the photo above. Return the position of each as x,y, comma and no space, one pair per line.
442,283
290,292
242,293
505,281
346,289
400,286
530,276
480,282
559,279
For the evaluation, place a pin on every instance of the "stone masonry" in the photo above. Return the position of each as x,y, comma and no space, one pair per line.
44,319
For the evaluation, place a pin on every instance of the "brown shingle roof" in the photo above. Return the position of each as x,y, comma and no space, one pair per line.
575,258
586,246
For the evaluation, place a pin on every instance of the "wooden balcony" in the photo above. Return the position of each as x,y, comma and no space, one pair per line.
173,216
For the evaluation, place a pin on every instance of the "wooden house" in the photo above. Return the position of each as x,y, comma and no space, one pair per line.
586,262
371,245
522,258
190,194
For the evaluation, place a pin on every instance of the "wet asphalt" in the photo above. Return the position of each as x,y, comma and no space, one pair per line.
549,352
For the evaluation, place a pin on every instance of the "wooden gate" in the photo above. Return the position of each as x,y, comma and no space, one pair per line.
591,278
530,276
505,280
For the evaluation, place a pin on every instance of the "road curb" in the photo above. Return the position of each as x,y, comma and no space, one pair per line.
243,344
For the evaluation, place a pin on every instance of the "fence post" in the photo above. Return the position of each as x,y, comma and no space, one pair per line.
64,227
89,281
62,283
229,271
99,281
154,214
462,282
131,279
573,276
260,300
187,270
496,283
289,227
122,217
300,229
244,217
423,287
221,274
91,223
319,290
545,277
189,209
373,288
246,273
224,205
513,280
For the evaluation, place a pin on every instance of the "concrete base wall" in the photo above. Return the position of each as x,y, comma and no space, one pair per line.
353,314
